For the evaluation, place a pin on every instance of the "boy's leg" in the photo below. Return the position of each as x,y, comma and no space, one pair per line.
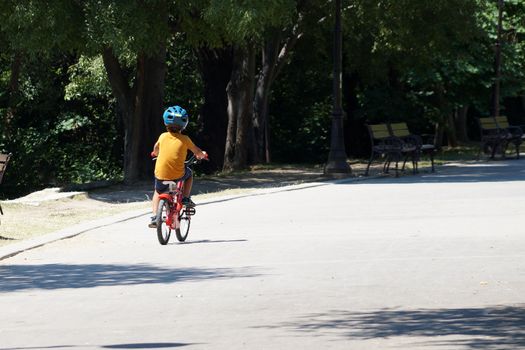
154,206
188,183
158,188
155,202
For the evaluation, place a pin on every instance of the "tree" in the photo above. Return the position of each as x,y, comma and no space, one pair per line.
276,49
242,24
215,66
133,32
120,31
414,59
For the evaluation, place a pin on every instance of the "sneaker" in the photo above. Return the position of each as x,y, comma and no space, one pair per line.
153,222
187,202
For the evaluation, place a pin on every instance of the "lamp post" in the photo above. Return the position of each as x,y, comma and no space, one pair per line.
337,164
497,62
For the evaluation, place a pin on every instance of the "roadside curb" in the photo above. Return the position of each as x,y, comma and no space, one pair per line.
13,249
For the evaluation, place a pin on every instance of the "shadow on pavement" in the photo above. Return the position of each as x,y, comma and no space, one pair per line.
464,172
498,327
114,346
212,241
56,276
146,346
41,347
497,171
143,191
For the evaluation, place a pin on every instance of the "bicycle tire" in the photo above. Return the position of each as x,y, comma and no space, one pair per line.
163,230
184,226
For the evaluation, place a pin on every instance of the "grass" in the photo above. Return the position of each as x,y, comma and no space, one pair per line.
23,221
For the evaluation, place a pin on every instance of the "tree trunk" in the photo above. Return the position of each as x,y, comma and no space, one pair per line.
274,56
438,135
260,116
240,99
451,130
141,108
216,69
13,94
355,132
265,79
461,125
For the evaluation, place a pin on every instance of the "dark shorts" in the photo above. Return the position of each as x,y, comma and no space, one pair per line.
163,188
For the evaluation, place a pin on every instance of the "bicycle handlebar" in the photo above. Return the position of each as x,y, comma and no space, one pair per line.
192,160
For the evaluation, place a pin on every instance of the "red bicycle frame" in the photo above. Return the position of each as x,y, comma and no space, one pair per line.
174,198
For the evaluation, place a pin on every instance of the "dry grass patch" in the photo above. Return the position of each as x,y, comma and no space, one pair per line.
23,221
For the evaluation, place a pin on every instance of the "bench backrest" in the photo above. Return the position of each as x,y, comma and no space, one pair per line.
488,123
378,131
502,122
399,129
4,159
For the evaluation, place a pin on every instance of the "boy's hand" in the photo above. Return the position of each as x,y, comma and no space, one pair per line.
203,155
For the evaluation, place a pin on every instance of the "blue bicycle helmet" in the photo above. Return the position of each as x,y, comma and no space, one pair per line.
176,116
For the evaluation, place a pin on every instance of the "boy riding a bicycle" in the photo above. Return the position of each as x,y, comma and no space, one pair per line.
171,150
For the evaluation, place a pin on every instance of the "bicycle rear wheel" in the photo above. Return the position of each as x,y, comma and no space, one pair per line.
184,225
163,230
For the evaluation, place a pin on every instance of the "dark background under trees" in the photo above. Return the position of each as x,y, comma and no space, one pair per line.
83,84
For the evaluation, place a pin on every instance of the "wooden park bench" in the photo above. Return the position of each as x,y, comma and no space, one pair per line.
514,134
497,134
4,159
384,145
412,140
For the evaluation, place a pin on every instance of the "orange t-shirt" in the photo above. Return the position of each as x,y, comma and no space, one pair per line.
173,149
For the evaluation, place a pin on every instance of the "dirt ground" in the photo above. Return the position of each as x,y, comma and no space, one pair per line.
26,220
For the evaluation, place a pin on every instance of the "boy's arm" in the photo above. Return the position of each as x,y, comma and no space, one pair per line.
200,154
155,151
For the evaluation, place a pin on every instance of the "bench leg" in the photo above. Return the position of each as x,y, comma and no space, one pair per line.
493,153
504,150
404,163
369,162
386,167
397,168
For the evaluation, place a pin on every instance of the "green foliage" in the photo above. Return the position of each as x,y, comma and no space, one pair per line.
127,26
236,21
418,61
301,105
408,60
183,82
37,26
55,141
87,78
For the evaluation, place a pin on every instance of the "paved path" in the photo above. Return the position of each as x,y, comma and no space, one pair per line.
421,262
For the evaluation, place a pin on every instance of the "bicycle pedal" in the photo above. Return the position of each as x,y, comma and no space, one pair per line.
190,211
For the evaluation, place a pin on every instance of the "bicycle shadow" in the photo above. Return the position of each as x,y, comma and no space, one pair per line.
203,241
112,346
146,345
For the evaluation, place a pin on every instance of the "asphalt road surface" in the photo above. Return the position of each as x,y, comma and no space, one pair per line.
433,261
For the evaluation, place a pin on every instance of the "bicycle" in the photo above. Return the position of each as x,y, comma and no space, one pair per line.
172,215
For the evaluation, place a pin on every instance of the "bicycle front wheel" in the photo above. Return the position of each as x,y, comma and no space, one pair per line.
184,225
163,230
